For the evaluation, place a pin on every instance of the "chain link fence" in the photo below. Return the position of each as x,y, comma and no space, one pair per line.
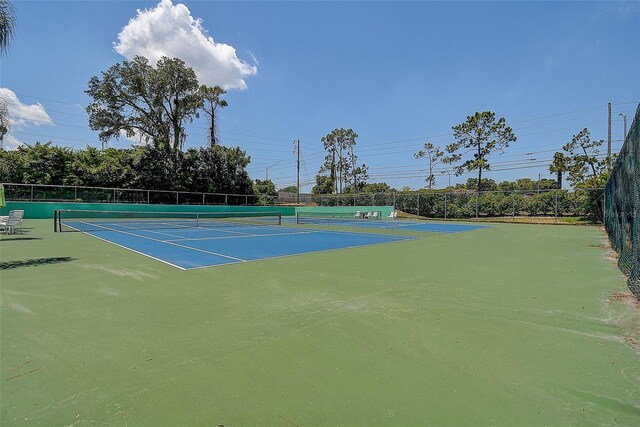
586,203
623,206
66,193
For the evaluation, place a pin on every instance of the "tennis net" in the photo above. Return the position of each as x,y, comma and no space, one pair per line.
335,217
96,220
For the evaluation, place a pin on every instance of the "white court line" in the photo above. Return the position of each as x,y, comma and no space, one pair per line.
319,251
240,237
178,237
164,241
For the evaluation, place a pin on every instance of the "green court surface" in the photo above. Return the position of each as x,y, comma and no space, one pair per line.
508,325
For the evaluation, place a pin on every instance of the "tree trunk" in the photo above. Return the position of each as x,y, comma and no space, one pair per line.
559,180
212,129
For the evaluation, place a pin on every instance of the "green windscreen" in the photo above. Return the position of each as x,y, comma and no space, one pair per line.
622,206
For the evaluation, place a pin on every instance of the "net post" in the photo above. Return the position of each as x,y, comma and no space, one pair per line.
55,221
297,217
279,218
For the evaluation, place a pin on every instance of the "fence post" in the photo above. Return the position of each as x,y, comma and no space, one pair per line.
148,197
177,198
114,195
418,210
477,199
373,199
555,213
445,206
203,198
75,193
32,192
513,205
246,200
394,201
225,199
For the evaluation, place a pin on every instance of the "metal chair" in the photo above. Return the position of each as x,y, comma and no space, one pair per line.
9,223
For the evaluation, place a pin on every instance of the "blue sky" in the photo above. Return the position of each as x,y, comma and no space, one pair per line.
398,73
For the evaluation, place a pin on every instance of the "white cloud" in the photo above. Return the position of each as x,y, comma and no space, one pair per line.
170,30
23,114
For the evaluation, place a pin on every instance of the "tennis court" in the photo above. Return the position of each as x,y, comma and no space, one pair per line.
434,330
341,220
197,240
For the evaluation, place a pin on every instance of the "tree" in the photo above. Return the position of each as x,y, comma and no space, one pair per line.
340,158
360,175
44,163
582,158
265,187
7,25
324,185
487,184
289,189
433,155
211,97
5,120
377,187
482,135
137,99
559,166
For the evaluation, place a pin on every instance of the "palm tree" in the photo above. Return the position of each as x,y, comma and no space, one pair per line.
7,24
212,95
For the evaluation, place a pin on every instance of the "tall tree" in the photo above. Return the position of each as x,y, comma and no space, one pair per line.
582,158
212,100
481,134
7,24
340,159
433,155
558,166
137,99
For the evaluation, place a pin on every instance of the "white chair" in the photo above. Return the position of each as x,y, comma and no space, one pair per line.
393,215
9,223
357,215
374,215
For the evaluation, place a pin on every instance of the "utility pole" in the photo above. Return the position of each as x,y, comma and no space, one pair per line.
609,139
296,150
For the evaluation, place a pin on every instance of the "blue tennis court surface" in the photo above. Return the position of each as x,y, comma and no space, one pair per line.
433,227
197,247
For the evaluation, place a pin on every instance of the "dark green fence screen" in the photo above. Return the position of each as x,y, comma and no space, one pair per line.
622,205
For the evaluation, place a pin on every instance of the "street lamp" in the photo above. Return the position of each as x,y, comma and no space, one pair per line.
266,173
624,117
